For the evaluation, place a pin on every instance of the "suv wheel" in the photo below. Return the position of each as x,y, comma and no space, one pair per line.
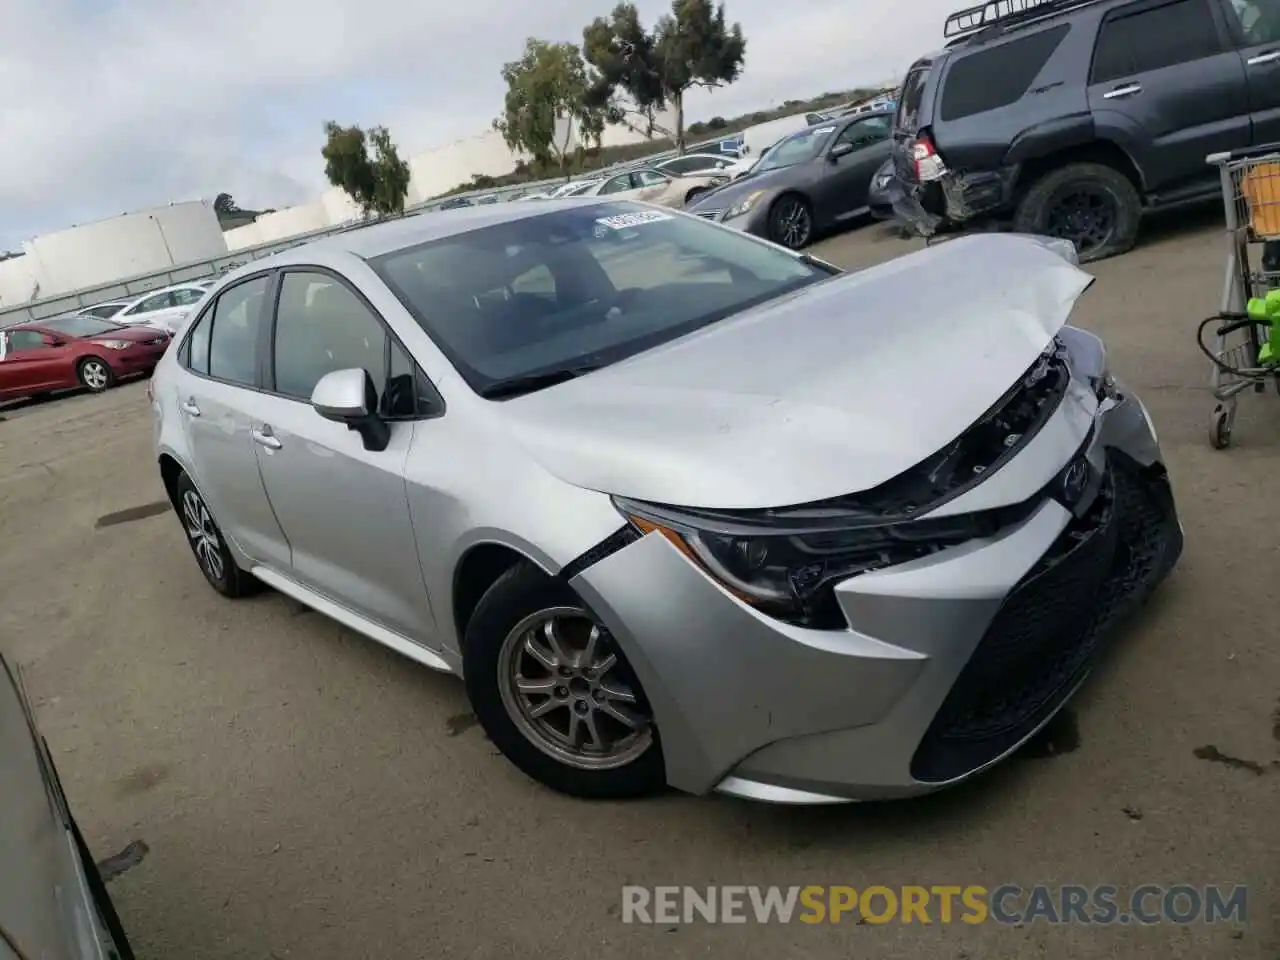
1094,206
555,694
207,543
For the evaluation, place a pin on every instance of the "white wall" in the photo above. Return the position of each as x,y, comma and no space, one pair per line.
109,250
18,282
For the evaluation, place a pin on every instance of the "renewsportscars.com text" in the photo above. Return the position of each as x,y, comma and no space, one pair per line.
1006,904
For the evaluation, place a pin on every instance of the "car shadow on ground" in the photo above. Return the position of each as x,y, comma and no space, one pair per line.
8,407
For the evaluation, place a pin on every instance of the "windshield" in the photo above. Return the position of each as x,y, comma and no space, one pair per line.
581,287
796,148
80,326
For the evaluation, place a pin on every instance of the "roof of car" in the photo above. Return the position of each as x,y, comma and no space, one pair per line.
379,238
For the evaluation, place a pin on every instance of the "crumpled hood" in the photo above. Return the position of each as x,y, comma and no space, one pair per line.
828,391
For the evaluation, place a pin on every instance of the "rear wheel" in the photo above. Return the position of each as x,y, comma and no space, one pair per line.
791,222
95,375
1093,205
554,692
208,545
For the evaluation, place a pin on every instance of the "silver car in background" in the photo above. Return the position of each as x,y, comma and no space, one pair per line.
53,903
681,506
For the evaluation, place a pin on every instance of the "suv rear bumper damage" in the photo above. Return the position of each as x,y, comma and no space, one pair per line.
955,199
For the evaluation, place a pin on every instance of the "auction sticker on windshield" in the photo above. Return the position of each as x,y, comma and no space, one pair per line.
623,221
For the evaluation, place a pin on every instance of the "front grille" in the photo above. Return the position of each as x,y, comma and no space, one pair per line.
1053,626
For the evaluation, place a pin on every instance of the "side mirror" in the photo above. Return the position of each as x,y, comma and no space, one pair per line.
55,341
840,150
349,396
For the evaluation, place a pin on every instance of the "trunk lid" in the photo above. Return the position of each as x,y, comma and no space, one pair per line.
829,391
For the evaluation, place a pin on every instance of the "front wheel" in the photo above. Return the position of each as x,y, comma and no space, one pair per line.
1093,205
791,222
95,375
555,694
693,195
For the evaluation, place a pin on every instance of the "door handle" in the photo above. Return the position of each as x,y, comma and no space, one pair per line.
1128,90
189,407
266,438
1271,56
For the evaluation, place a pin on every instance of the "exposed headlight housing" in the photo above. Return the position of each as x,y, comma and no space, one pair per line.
744,205
789,572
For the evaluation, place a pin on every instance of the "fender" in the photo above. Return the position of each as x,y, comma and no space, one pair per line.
1081,130
1060,133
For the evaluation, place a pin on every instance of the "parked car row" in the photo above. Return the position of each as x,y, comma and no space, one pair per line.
1075,118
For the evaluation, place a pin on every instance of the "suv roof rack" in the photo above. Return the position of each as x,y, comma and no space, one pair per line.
1003,13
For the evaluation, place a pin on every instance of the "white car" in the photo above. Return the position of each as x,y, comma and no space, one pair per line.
163,309
695,163
654,186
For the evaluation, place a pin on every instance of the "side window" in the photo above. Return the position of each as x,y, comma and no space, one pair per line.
1259,20
233,341
195,353
26,340
863,133
649,178
1156,37
322,326
680,166
408,393
160,301
185,298
617,184
994,77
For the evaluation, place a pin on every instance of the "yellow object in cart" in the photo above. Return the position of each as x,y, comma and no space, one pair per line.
1261,188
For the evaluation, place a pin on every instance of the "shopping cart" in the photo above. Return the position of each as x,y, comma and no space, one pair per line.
1241,348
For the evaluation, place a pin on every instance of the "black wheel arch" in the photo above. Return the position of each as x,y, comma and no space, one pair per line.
1035,155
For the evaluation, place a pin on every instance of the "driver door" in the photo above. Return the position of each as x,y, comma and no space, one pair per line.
852,158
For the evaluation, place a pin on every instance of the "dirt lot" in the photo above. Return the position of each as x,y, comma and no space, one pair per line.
305,793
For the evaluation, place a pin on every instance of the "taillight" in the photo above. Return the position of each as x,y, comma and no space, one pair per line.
924,155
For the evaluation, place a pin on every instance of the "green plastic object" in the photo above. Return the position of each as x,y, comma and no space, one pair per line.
1267,309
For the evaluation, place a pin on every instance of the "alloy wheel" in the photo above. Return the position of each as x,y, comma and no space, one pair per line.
95,374
203,534
792,223
1085,214
566,690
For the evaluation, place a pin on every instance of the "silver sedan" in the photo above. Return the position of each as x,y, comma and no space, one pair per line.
681,506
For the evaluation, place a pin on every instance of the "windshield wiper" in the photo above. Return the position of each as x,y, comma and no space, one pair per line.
528,383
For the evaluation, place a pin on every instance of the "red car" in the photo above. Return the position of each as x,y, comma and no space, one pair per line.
76,351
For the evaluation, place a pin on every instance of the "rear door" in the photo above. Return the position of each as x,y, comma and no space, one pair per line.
1168,85
217,391
1255,27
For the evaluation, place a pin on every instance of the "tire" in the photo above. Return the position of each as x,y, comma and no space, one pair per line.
693,195
208,545
1072,201
791,222
497,661
95,374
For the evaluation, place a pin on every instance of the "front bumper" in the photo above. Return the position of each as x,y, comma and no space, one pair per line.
949,663
140,359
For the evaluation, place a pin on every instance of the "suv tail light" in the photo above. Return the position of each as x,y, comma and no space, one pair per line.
924,155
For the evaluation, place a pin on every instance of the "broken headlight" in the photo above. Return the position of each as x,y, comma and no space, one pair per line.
789,573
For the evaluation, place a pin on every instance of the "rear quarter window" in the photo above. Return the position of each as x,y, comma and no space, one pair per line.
912,96
992,77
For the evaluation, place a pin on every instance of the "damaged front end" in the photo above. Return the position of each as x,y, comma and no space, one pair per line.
786,561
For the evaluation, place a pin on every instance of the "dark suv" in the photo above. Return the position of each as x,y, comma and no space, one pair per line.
1072,118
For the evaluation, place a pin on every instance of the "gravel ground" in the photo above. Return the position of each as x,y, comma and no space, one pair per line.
305,793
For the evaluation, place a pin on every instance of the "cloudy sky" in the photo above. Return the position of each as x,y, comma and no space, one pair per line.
116,105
